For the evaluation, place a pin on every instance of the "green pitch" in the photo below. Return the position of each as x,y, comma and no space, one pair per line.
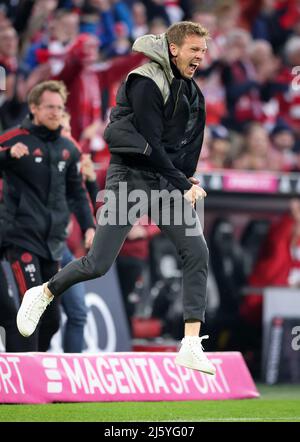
276,404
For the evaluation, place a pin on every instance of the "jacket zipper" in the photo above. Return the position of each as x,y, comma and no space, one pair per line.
147,145
176,100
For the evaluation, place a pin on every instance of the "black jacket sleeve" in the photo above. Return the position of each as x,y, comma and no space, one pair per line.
7,140
93,189
148,106
77,195
5,158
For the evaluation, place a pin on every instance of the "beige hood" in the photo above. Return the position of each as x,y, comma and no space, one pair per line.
156,48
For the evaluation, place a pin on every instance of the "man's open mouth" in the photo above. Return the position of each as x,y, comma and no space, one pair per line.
193,66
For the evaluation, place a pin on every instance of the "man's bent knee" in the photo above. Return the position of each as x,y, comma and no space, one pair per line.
96,269
200,253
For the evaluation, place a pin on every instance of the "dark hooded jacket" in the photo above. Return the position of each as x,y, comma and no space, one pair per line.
175,152
38,190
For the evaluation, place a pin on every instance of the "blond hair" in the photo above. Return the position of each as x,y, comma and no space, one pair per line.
37,91
177,32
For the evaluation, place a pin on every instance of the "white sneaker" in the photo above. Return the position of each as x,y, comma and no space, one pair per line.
33,306
191,355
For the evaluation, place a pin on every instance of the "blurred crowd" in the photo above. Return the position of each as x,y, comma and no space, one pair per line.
250,80
250,77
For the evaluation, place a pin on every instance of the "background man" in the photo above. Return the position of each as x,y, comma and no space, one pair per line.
41,177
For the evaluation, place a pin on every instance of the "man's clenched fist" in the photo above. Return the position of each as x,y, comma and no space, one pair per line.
18,150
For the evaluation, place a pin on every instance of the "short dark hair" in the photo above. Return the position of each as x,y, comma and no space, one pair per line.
37,91
177,32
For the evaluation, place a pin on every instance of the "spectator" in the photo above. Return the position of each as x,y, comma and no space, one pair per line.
289,99
4,20
268,24
284,141
209,76
228,16
278,263
267,68
122,15
86,83
84,93
156,9
122,43
12,100
157,26
240,82
97,19
36,18
218,149
62,30
140,24
258,153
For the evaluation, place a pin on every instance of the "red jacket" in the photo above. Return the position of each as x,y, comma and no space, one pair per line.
86,84
139,248
289,102
273,268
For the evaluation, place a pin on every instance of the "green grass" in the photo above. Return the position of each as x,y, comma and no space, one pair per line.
276,404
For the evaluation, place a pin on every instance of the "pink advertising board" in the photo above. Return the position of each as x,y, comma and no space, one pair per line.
260,182
108,377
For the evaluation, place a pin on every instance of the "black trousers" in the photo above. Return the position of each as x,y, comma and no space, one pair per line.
29,270
130,270
129,195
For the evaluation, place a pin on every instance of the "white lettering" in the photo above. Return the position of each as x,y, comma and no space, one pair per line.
75,375
196,377
142,364
157,378
5,376
123,432
15,361
218,364
136,211
92,377
119,375
132,375
107,380
296,339
169,365
185,376
214,386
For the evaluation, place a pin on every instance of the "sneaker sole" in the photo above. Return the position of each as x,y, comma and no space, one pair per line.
21,331
190,365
